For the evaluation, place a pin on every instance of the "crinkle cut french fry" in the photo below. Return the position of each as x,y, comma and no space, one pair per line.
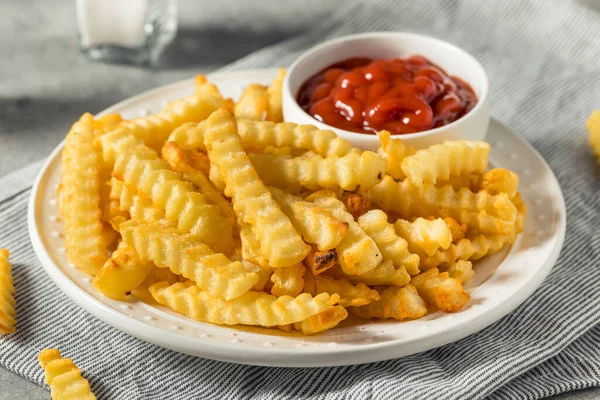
441,291
264,275
320,261
250,245
315,224
356,204
472,248
593,126
280,243
322,321
394,302
521,213
461,270
257,135
481,211
288,281
106,123
7,300
357,252
155,275
468,181
394,152
135,203
384,274
121,273
81,198
441,161
393,247
115,142
424,236
184,255
184,207
347,172
253,103
251,308
274,105
500,180
350,295
63,377
180,161
457,231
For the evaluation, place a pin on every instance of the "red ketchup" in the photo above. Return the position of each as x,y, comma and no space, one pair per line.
403,95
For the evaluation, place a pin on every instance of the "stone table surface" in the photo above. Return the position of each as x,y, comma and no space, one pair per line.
45,83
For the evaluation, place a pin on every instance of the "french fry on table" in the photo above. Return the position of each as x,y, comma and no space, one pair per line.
7,291
63,377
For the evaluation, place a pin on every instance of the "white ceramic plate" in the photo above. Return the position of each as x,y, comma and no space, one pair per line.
501,283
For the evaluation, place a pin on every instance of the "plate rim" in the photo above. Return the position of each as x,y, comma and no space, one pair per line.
299,357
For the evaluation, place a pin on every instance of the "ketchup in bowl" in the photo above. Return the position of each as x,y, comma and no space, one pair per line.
403,95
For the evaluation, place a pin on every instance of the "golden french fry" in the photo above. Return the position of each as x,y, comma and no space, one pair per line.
384,274
121,273
274,105
288,281
322,321
315,224
280,243
521,213
481,211
500,180
393,247
109,235
250,246
63,377
184,255
141,292
357,252
320,261
253,103
178,157
593,126
264,275
184,207
468,181
441,161
258,135
133,203
394,302
115,142
80,198
356,204
251,308
440,291
180,161
350,295
347,172
394,152
424,236
106,123
461,270
215,177
7,291
457,231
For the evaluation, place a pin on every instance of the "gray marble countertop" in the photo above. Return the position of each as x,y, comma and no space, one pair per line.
45,84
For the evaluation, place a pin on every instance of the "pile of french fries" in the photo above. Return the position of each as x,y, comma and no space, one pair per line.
226,214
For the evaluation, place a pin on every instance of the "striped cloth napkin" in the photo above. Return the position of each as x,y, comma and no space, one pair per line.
542,58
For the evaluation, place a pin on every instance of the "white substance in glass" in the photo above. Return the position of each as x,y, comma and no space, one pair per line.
112,22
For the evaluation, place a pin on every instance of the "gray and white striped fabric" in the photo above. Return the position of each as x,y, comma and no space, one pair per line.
542,58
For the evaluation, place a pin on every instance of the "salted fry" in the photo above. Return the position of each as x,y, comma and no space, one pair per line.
593,126
288,281
320,261
394,302
393,247
356,204
251,308
500,180
316,225
184,207
121,273
7,291
184,255
394,152
81,198
461,270
63,377
280,243
357,252
322,321
424,236
274,105
481,211
441,291
384,274
253,103
351,295
347,172
441,161
258,135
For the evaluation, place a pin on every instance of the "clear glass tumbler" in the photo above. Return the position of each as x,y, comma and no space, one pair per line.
126,31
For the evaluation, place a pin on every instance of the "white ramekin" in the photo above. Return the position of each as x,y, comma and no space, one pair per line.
386,45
